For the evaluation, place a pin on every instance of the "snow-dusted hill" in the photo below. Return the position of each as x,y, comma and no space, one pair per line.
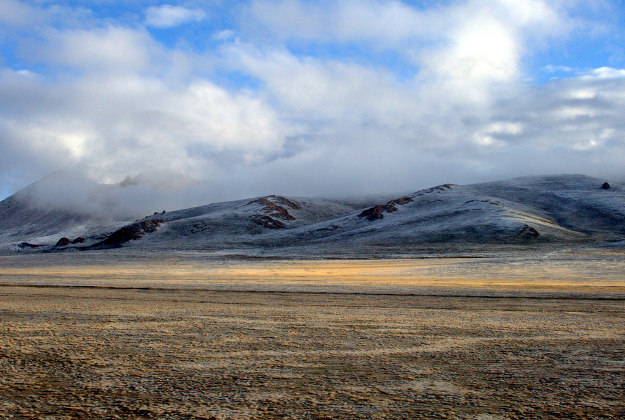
565,209
57,206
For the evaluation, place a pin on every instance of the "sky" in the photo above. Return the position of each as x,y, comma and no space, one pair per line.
310,98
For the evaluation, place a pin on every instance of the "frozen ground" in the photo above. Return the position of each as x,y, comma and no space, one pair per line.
190,335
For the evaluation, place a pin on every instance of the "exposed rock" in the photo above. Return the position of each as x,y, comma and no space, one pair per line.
327,229
267,222
199,227
376,212
28,245
63,242
130,233
605,186
286,202
437,189
78,240
528,232
274,206
401,201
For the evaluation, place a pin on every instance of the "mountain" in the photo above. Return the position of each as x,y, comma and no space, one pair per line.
522,212
24,217
62,203
69,203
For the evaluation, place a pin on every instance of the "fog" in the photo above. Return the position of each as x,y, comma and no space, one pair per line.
74,192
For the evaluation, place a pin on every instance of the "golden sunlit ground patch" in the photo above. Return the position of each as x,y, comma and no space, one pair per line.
599,272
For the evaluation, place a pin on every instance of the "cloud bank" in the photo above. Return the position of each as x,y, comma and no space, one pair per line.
307,98
168,16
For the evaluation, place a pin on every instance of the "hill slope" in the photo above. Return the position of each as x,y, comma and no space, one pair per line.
565,209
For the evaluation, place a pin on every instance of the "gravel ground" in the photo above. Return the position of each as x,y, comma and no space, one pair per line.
75,352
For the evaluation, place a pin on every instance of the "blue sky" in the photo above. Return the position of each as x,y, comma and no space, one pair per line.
311,98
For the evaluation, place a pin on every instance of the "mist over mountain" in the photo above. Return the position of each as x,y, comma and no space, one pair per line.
74,192
57,214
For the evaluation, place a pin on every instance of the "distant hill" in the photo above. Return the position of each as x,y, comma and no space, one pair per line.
523,212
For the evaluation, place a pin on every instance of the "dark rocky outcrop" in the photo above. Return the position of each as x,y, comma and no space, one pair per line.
274,206
401,201
129,233
62,242
65,242
26,245
528,232
267,222
605,186
377,212
286,202
437,189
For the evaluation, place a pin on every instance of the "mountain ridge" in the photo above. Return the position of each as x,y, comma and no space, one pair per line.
525,211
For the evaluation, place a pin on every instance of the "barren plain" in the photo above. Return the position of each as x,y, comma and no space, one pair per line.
86,335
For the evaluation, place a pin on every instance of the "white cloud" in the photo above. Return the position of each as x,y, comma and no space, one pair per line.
307,136
121,124
323,89
224,35
481,53
168,16
471,46
34,17
118,102
15,13
26,73
605,73
390,22
550,68
583,93
505,127
380,22
107,49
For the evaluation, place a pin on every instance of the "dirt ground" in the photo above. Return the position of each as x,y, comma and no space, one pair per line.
118,350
